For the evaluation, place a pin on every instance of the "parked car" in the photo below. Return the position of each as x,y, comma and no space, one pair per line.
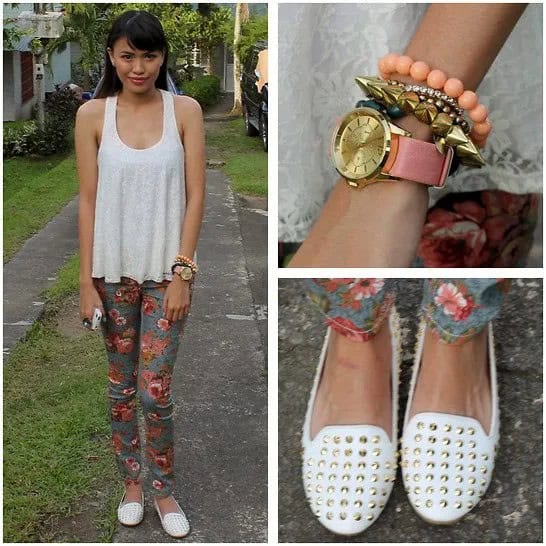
254,92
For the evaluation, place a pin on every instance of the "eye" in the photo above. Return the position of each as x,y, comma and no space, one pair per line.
126,56
151,55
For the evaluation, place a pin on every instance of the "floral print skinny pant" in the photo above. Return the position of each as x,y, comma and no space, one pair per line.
135,331
454,309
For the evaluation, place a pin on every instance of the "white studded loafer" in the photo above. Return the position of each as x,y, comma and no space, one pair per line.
131,513
175,523
349,470
447,460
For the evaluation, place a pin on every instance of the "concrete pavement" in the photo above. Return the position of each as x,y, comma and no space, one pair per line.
511,511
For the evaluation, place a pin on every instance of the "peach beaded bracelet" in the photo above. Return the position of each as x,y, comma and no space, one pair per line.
437,79
184,260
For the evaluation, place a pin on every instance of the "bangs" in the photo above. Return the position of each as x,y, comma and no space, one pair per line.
142,35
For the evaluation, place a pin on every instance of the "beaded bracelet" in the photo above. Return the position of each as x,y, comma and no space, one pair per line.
184,260
437,79
442,102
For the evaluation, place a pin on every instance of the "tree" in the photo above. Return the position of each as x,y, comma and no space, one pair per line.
241,16
86,24
212,30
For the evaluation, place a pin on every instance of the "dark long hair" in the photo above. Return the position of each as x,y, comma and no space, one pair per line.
143,31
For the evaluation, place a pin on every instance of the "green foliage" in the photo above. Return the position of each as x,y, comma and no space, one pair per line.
251,32
12,34
60,107
213,27
179,22
87,24
204,90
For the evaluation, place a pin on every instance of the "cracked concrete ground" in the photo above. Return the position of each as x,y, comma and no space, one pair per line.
511,510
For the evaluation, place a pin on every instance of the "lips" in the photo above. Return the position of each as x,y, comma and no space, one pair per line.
138,80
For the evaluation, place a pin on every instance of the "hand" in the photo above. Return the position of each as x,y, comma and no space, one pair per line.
176,303
89,301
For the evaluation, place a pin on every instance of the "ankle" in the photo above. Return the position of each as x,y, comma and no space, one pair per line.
349,354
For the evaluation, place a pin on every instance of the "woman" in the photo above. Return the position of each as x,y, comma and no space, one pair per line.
141,168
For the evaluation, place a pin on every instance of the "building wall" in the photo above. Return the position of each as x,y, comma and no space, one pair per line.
61,72
9,107
13,107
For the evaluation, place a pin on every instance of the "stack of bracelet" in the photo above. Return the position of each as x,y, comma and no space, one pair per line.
437,79
184,260
430,106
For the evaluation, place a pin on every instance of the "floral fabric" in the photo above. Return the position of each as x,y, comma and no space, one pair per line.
454,309
136,330
355,308
479,229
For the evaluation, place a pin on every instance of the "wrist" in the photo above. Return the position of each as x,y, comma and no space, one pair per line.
418,129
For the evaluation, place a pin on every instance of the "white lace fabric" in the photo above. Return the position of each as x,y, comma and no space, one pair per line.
322,47
140,202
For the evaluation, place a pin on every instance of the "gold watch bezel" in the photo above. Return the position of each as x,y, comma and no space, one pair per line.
337,145
185,273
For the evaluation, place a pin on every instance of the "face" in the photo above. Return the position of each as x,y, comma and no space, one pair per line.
137,69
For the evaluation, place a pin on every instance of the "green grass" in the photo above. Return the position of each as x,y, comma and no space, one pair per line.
19,124
35,190
246,162
56,429
68,281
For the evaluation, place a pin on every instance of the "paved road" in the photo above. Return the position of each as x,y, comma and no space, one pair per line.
512,509
219,385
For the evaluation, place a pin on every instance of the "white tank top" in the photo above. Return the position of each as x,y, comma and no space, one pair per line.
140,202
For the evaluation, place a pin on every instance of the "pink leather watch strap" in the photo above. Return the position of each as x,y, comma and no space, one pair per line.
420,161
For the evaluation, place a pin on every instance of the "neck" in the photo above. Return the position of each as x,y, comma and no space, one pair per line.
137,99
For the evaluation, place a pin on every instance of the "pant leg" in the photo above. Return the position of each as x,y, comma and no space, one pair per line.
355,308
457,309
121,303
158,350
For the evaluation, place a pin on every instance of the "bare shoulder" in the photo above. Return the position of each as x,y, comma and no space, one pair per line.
90,116
92,109
187,108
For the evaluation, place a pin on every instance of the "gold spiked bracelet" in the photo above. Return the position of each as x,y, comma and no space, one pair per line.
430,106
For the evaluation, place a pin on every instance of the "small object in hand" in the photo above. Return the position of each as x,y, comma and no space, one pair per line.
95,321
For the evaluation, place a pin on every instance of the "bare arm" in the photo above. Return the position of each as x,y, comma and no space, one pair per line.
194,168
86,159
381,225
176,303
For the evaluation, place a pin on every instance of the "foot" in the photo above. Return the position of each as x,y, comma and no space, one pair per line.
133,493
167,505
172,517
355,387
454,379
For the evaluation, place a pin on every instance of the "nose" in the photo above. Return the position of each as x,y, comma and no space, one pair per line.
138,67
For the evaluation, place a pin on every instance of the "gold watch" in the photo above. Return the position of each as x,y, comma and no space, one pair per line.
184,272
367,147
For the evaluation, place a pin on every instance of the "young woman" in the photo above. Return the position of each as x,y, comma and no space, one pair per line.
141,168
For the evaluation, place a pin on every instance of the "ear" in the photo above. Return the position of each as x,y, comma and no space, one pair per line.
111,55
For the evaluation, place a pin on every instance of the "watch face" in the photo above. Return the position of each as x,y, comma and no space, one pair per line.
186,273
361,144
